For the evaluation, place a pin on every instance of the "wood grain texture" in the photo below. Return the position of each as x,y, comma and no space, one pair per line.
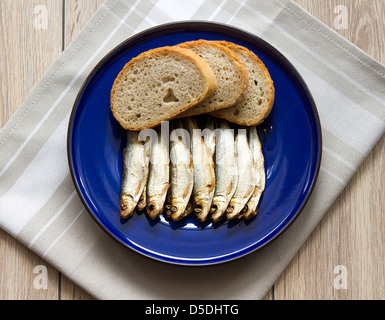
25,51
77,14
25,55
351,234
17,276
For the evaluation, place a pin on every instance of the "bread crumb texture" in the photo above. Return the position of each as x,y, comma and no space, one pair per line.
229,71
155,86
258,101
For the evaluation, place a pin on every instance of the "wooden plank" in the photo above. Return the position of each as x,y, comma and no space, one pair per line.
70,291
26,52
77,14
351,234
29,44
19,279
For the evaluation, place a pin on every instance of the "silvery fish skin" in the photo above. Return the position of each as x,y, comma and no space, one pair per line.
204,174
246,173
158,177
135,172
141,206
251,208
181,177
226,171
208,134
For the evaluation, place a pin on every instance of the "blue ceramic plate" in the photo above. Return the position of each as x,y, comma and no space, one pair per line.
290,136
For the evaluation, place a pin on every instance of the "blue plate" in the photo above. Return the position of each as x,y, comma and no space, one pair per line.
290,136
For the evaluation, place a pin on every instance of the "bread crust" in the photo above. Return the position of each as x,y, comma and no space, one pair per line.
269,81
244,75
203,67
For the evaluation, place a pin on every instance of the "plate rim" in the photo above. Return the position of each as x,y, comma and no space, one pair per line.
201,24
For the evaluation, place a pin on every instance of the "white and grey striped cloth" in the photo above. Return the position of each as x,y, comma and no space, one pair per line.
38,202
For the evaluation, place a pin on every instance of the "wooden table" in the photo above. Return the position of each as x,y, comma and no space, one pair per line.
350,235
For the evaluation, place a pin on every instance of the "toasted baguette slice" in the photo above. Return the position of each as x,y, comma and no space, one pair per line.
229,71
259,99
157,85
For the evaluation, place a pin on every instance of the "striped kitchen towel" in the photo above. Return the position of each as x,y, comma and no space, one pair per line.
40,207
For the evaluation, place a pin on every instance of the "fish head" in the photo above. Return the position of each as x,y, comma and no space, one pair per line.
251,209
233,209
218,209
250,213
167,210
127,206
142,202
154,206
177,208
201,208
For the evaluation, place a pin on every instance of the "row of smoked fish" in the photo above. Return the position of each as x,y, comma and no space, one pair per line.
216,173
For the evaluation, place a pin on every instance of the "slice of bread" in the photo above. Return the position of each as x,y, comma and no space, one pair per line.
157,85
259,99
229,71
